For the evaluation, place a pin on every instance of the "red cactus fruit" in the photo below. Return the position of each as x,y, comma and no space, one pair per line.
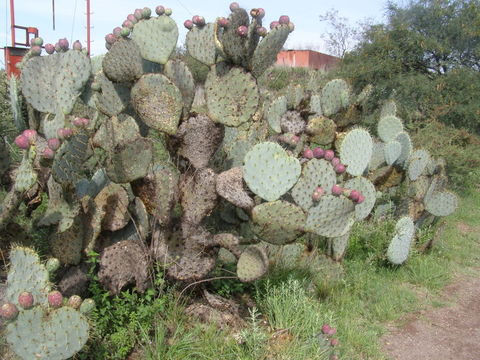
63,44
55,299
111,38
329,155
22,142
54,143
128,24
116,32
77,45
339,169
361,199
168,11
64,133
188,24
337,190
332,331
262,31
81,122
274,24
284,20
354,195
25,299
50,48
31,135
257,13
234,6
316,196
35,50
308,154
318,153
8,311
242,31
335,161
198,20
334,342
138,14
160,10
48,153
320,190
325,328
74,301
132,18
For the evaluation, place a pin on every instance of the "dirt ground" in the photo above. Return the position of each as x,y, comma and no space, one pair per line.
450,332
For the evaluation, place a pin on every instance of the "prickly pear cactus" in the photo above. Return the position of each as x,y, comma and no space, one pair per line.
399,247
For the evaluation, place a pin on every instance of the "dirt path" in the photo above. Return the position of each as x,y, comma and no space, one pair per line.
451,332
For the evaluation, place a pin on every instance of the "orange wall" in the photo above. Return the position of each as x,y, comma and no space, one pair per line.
306,58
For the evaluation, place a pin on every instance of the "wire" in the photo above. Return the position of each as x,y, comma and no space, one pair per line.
181,4
73,22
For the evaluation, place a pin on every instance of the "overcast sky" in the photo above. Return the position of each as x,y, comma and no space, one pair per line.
70,19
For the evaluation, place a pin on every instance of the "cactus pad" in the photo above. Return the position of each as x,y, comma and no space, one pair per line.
278,222
356,151
123,62
367,189
67,245
269,171
68,163
292,122
392,151
230,186
26,176
112,98
404,139
232,98
275,111
163,114
116,131
321,130
316,104
378,156
388,109
399,247
234,45
389,127
335,96
177,71
339,246
418,162
253,264
202,43
441,203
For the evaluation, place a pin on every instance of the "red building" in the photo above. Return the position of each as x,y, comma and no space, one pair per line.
307,58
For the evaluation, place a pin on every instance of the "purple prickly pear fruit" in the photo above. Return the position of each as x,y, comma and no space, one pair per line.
35,50
168,11
54,143
64,133
284,20
22,142
138,14
128,24
325,327
63,44
50,48
274,24
294,140
55,299
318,153
291,26
308,154
329,155
320,190
198,20
146,13
25,299
242,31
316,196
8,311
354,195
223,22
337,190
125,31
261,31
48,153
361,199
334,357
160,10
116,32
234,6
188,24
81,122
332,331
57,47
38,41
31,135
335,161
132,18
110,38
339,169
74,301
334,342
257,13
77,45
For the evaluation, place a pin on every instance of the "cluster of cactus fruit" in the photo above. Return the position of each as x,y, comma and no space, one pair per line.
133,173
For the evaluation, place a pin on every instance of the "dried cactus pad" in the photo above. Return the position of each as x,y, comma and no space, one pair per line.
356,151
68,164
53,335
232,98
441,203
202,43
399,247
267,49
331,217
335,96
368,190
230,186
314,173
52,83
389,127
123,62
156,38
278,222
269,171
158,102
26,272
253,264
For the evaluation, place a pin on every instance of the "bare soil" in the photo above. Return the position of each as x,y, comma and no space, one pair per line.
450,332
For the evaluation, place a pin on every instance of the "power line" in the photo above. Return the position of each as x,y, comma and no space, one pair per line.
181,4
73,21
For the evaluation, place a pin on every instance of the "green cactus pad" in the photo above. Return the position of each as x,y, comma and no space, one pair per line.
392,151
399,247
367,189
418,162
267,50
378,156
116,131
252,36
54,334
26,273
158,102
233,98
441,203
388,109
389,127
336,96
295,95
130,161
156,38
26,176
418,188
321,130
202,44
68,163
123,62
269,171
200,138
438,184
356,151
112,98
230,186
177,71
278,222
316,104
48,84
316,172
404,139
252,264
331,217
275,111
235,46
292,123
51,123
339,246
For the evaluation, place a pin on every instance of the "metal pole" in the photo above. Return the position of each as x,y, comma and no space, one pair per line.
88,27
53,13
12,21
